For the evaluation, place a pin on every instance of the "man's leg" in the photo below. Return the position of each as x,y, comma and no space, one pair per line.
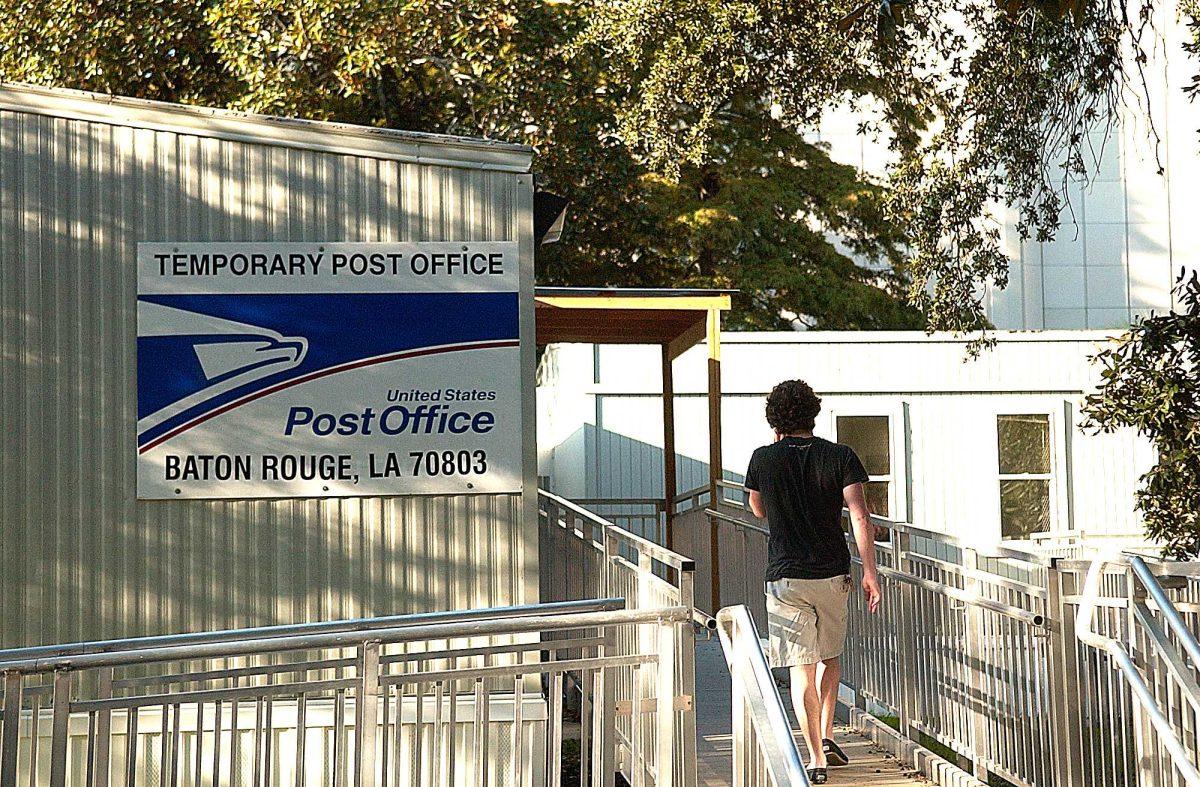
831,676
807,703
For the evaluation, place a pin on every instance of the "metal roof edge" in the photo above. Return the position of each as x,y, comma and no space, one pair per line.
911,337
412,146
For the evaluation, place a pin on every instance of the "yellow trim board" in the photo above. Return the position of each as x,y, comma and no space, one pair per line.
713,334
639,302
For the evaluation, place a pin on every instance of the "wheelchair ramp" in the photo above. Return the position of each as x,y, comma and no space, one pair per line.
870,765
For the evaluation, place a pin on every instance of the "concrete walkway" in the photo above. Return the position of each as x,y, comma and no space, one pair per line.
869,765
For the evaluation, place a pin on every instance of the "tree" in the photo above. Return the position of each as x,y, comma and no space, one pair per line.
983,102
759,217
1151,382
767,212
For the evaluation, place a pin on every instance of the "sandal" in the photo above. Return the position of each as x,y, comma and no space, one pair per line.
834,753
818,776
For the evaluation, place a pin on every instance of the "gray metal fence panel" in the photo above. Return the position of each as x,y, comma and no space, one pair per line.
471,698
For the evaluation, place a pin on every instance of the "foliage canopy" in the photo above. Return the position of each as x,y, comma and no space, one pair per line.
759,212
1151,382
984,102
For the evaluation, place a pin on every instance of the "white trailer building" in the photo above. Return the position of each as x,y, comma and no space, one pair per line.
87,183
989,449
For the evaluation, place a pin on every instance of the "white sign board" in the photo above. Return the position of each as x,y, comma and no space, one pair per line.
322,369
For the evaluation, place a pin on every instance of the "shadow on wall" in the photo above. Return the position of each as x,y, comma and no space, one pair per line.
598,463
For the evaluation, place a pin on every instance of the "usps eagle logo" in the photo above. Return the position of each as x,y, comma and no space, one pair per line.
209,356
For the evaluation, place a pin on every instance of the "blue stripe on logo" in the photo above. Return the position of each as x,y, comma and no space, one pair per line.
338,328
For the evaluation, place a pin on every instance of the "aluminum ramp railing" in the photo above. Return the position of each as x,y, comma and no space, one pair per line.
583,554
1157,659
983,655
764,751
467,697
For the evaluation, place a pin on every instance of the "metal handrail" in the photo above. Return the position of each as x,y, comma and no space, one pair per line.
911,529
657,502
469,628
1032,618
319,627
366,710
1170,613
1008,610
644,546
752,683
737,522
1138,688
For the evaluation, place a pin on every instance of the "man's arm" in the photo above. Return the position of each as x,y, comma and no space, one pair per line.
756,504
864,536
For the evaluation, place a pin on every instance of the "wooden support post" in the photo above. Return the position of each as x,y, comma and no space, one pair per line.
670,490
715,470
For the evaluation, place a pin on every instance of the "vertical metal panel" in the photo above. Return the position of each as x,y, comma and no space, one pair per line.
80,558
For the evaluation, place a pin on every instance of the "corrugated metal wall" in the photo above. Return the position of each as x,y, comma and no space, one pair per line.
79,557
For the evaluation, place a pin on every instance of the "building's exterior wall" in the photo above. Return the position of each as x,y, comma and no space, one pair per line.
81,183
1127,235
942,408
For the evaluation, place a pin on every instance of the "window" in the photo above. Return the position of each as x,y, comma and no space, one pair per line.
1023,445
870,437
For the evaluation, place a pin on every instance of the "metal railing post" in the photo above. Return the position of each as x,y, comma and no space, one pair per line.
714,559
906,647
611,550
366,708
604,753
58,734
667,689
741,736
1143,732
12,720
976,677
1063,679
687,677
100,765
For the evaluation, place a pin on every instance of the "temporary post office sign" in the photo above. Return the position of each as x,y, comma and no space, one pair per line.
319,369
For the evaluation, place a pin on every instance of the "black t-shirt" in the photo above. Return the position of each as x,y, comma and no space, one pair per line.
801,481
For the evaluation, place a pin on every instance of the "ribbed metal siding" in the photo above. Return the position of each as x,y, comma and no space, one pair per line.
79,557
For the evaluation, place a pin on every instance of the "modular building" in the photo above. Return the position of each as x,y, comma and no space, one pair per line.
257,370
991,450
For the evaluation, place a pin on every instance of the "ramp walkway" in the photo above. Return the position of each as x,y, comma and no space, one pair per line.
870,765
1065,667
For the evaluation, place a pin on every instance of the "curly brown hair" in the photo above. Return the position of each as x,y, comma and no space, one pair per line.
792,407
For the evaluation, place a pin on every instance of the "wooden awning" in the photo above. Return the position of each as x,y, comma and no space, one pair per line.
674,319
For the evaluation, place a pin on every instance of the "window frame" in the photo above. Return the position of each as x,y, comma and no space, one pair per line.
897,478
1057,506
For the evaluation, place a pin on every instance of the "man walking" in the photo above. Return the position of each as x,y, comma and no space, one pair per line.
799,484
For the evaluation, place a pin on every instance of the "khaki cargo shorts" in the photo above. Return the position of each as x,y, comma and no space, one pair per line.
806,619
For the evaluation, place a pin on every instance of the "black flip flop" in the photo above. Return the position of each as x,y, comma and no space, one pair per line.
818,776
834,753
